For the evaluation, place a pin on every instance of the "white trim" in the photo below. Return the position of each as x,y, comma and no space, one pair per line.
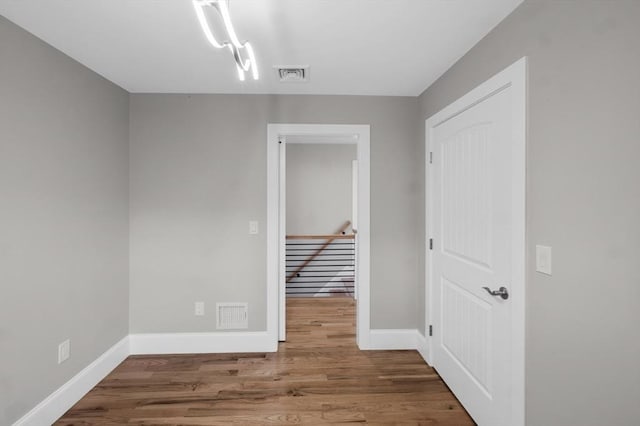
400,339
354,213
515,77
282,238
63,398
273,236
428,293
354,195
194,343
66,396
394,339
422,346
315,133
517,73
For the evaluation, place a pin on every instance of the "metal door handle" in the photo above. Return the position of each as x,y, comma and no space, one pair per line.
502,292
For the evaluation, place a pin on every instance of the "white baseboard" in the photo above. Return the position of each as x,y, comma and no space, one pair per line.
422,346
193,343
56,404
392,339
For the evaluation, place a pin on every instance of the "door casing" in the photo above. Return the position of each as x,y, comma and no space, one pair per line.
515,77
316,133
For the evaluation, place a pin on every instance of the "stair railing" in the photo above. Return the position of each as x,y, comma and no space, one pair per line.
330,238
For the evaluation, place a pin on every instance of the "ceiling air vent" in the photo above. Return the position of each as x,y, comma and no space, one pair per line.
293,74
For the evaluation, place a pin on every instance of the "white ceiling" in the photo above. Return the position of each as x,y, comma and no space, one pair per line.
357,47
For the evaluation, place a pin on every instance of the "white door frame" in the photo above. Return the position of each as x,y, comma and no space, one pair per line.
515,77
315,133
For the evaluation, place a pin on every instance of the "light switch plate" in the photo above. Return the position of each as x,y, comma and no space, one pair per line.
543,259
253,227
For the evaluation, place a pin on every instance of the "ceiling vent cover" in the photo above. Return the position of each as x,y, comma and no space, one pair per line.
293,74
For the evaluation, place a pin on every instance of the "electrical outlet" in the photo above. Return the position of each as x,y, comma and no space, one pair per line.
64,351
199,309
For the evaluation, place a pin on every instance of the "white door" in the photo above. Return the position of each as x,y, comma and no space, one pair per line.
477,255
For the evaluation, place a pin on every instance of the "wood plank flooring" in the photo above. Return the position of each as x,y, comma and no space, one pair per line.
318,376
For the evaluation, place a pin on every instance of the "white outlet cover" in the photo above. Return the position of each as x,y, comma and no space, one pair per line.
64,351
543,259
199,309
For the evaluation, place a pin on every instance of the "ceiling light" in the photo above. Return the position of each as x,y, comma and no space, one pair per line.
242,52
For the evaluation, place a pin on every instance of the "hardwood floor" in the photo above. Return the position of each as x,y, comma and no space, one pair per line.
318,376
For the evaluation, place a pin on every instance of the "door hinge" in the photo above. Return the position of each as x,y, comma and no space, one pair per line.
430,243
430,330
431,158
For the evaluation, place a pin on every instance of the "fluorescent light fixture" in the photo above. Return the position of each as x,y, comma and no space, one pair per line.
242,52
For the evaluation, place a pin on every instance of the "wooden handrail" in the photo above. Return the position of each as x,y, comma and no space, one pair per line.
322,237
329,238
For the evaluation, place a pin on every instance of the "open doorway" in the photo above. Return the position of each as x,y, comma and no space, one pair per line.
356,228
320,241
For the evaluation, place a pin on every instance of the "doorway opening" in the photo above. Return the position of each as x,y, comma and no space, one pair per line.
320,238
307,259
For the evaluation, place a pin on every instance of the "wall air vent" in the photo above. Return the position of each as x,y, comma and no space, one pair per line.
293,74
232,316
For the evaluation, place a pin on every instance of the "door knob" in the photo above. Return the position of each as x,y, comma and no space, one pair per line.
502,292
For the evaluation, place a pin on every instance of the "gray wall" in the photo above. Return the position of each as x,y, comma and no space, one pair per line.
63,218
319,184
583,340
198,175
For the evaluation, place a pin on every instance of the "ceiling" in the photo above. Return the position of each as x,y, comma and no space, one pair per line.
354,47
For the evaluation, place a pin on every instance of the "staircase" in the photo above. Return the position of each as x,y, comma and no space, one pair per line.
321,265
